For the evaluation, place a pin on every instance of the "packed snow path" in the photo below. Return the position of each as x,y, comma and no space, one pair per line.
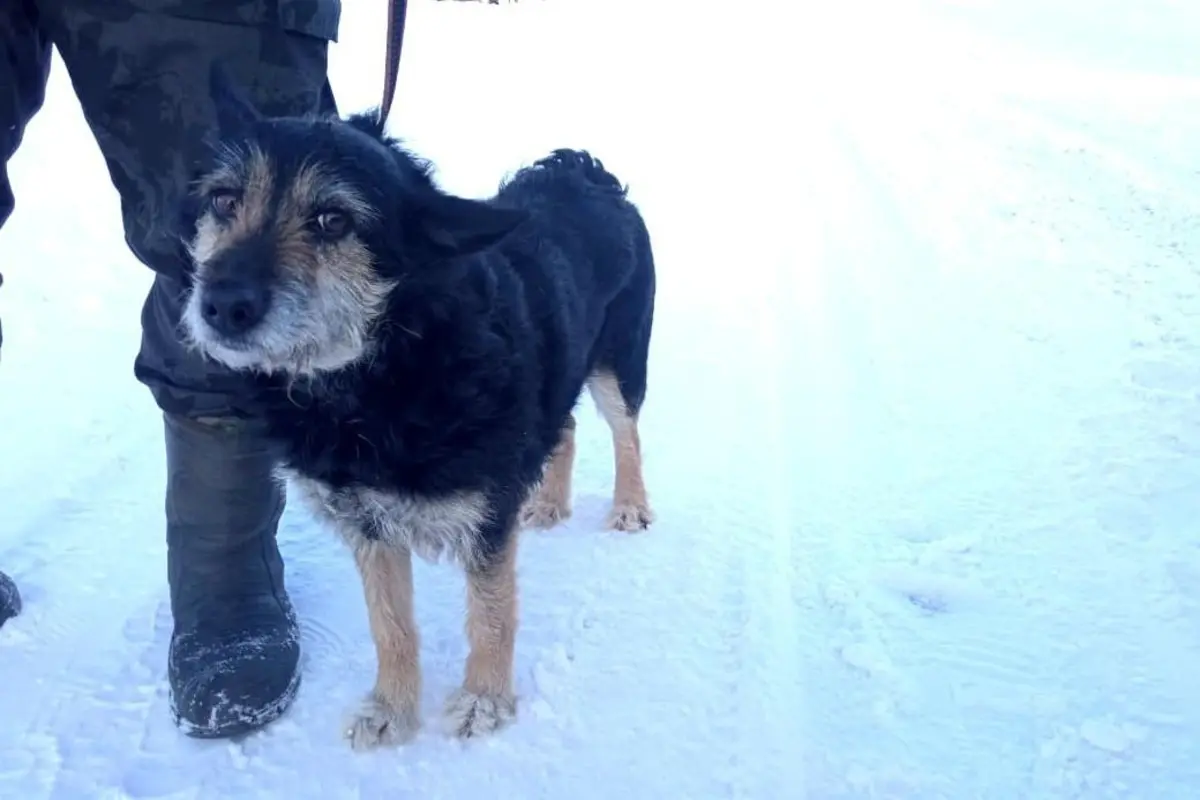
922,433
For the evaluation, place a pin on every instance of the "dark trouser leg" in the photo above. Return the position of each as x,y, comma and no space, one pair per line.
10,599
142,80
233,661
24,70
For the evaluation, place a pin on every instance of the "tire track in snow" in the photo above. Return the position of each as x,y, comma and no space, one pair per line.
951,671
847,349
769,703
67,657
1146,504
916,453
1062,746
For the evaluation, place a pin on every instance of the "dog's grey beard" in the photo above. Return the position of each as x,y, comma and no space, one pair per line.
303,333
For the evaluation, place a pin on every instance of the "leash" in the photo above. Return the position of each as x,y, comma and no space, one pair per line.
397,10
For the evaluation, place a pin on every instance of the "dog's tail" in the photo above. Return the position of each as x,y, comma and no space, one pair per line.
583,163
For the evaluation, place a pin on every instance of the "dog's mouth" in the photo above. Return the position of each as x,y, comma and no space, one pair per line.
236,344
241,351
260,354
293,333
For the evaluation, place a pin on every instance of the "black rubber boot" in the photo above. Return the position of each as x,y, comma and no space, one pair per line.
10,599
235,651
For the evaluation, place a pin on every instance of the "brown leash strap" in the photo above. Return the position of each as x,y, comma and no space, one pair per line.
397,10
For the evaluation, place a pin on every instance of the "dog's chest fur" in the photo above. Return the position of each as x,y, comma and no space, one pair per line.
433,529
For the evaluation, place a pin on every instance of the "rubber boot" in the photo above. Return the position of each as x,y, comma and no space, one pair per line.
235,650
10,599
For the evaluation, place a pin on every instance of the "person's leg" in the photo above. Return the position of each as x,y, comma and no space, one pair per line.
10,599
142,79
24,69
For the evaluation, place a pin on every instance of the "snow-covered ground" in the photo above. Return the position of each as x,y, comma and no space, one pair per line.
923,432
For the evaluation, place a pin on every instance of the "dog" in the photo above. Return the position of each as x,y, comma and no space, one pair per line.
417,358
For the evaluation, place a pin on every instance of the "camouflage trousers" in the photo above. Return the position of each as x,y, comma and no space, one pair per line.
140,69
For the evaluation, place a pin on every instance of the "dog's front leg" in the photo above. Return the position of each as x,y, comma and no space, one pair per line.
486,700
391,713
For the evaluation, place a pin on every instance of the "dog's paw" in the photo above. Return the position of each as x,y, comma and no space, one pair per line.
470,715
378,724
543,513
630,517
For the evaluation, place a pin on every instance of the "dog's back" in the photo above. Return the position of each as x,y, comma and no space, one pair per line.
586,258
581,214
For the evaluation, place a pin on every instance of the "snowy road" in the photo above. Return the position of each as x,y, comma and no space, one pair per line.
922,434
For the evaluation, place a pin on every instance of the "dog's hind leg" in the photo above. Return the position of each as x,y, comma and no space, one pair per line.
551,503
631,507
391,714
487,700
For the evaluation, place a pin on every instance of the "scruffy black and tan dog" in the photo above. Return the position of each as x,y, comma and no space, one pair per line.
418,357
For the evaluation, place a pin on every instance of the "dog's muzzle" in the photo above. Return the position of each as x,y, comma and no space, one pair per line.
232,307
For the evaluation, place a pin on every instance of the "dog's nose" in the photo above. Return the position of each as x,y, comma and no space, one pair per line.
233,307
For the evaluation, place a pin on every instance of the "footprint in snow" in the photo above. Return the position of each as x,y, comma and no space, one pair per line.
933,594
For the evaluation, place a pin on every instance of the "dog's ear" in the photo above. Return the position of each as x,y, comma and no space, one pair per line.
234,112
456,227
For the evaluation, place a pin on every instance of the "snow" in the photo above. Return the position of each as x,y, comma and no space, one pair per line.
922,432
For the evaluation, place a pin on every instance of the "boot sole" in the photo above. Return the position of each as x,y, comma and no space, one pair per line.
241,721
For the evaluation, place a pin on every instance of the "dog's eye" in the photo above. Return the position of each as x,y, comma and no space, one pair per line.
331,224
224,203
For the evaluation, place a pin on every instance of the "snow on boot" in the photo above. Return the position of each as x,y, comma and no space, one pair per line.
235,650
10,599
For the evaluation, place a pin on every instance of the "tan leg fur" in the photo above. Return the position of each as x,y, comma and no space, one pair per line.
631,506
391,713
487,700
551,504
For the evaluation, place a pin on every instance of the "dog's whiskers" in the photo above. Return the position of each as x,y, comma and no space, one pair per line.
288,389
371,444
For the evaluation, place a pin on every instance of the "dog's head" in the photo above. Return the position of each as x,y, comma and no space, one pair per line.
301,228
